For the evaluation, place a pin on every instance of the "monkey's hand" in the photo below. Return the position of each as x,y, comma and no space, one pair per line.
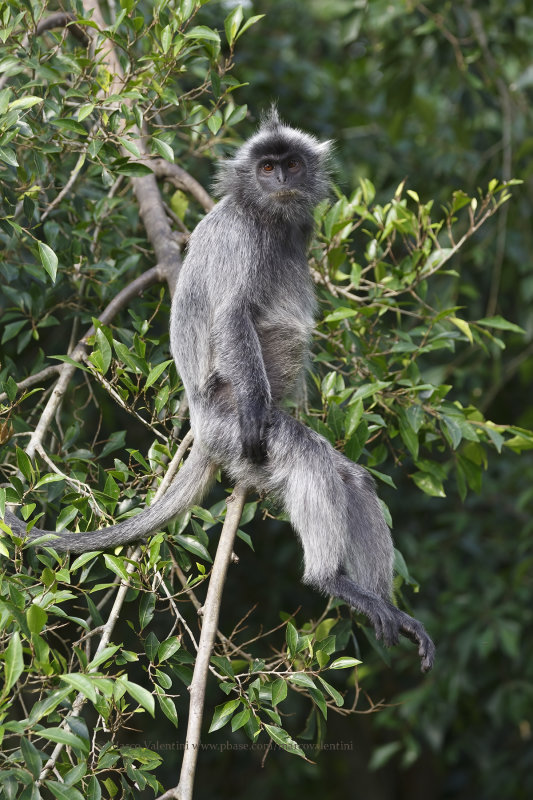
254,422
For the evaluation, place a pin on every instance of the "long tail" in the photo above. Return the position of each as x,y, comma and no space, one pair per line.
188,487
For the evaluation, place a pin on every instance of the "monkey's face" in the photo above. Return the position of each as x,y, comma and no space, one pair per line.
282,177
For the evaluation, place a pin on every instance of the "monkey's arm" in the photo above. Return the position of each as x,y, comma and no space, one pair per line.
239,361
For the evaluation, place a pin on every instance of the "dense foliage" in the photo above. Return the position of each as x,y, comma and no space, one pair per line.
423,282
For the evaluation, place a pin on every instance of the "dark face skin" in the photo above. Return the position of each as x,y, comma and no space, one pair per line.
281,174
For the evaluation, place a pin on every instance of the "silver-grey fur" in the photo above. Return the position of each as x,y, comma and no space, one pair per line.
241,321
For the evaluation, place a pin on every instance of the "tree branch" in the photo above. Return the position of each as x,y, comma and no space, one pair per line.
182,180
63,19
235,505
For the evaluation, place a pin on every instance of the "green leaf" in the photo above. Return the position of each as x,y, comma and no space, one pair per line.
13,662
154,373
193,546
214,122
7,155
36,618
31,756
146,608
291,637
222,714
105,349
85,110
369,390
72,362
463,326
382,754
166,38
82,683
164,149
302,679
283,739
81,560
248,23
168,648
25,102
130,359
319,700
49,260
203,32
62,791
429,484
62,736
279,691
65,517
12,329
333,693
240,719
353,417
50,477
140,694
168,708
24,464
500,323
69,125
106,653
133,169
94,791
341,313
408,435
116,565
345,662
232,23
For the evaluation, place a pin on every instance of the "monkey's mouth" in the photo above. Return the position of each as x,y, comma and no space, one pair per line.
286,194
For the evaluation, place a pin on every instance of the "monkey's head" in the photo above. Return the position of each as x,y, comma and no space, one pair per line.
278,172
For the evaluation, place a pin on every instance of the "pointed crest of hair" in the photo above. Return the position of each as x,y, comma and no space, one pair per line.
270,119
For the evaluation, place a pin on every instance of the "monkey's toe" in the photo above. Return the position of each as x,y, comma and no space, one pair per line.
414,630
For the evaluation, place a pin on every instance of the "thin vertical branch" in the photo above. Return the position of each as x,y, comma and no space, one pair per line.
235,505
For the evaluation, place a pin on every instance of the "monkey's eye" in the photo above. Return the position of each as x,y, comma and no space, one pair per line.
294,164
268,166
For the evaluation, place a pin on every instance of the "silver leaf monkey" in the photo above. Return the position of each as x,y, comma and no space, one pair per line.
240,326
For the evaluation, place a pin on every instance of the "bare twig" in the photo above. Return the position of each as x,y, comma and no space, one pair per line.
66,188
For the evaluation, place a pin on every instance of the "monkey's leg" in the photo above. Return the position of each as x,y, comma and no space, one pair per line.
347,545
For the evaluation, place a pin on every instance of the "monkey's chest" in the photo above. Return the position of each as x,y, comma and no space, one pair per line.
284,347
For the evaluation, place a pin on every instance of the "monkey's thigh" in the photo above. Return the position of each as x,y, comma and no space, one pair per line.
217,430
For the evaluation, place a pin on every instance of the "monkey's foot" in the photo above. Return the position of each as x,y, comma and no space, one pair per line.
387,620
414,630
